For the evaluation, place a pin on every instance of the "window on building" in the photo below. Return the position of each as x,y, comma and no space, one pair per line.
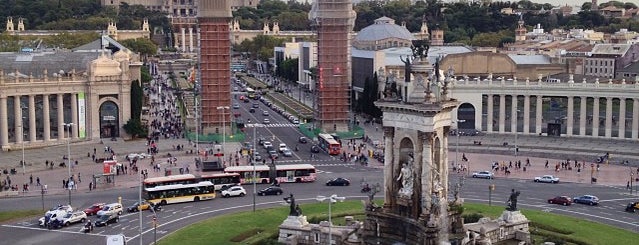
316,238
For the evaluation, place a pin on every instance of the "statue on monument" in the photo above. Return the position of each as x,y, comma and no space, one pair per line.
407,68
419,48
406,178
512,200
295,209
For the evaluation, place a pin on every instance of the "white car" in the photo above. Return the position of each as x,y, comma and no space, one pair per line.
547,179
282,147
267,144
55,213
234,191
110,209
483,175
75,217
287,152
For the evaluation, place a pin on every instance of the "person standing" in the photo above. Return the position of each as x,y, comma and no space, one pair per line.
31,179
90,186
37,181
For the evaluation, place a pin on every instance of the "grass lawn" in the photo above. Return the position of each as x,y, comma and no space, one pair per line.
20,214
256,228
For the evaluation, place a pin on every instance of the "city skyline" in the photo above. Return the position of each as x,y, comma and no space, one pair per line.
554,2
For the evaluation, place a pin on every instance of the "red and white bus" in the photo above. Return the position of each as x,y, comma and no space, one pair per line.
329,144
220,180
293,173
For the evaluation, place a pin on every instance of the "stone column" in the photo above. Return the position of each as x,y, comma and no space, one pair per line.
32,119
583,101
4,123
538,121
635,119
74,115
389,134
183,39
60,116
489,110
622,118
426,175
513,115
608,126
191,39
19,126
571,119
46,117
595,117
502,113
526,114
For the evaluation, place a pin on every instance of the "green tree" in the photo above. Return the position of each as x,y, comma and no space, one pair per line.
135,128
137,98
141,45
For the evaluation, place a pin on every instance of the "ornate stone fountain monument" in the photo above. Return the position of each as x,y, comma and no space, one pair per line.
417,120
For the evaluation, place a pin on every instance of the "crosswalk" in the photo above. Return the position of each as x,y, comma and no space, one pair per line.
272,125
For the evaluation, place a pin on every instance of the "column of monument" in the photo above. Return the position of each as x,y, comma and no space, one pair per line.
502,113
19,127
570,120
46,119
74,115
538,108
583,101
595,117
183,30
4,123
513,114
622,118
389,134
608,126
32,119
426,174
60,110
489,110
526,114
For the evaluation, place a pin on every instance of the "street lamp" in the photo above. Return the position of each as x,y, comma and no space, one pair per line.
253,162
457,145
631,174
68,126
332,199
223,129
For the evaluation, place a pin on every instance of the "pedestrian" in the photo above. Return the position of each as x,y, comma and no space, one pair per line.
90,186
79,179
37,181
31,179
628,185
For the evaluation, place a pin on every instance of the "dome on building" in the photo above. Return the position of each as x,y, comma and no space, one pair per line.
386,31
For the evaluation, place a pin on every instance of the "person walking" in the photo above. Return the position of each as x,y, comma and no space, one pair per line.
90,186
31,179
37,181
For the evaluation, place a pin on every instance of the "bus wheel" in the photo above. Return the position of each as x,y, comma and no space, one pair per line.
264,181
298,180
163,202
196,199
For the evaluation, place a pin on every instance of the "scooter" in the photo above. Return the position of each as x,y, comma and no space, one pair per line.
366,189
88,227
54,224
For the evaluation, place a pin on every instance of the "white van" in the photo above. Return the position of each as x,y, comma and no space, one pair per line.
110,209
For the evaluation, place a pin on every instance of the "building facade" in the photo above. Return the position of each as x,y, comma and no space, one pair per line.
47,98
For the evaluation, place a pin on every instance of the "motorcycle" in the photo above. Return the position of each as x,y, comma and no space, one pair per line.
88,227
156,207
54,224
366,189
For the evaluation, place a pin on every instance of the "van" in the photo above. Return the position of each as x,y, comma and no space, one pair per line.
109,209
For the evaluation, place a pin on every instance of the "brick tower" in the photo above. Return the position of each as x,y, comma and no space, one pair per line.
333,20
215,63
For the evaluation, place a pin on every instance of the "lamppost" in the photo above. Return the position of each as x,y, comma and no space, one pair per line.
331,199
223,129
22,135
140,203
68,126
457,146
631,174
253,163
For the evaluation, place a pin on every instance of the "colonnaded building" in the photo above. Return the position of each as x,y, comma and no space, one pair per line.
47,97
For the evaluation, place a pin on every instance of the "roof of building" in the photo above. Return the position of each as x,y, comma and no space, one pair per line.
530,59
610,48
393,55
35,63
383,28
633,67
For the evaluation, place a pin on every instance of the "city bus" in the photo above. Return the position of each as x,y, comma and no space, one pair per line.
251,93
177,193
329,144
219,180
294,173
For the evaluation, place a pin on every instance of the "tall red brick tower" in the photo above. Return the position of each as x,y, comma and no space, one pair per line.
215,63
333,20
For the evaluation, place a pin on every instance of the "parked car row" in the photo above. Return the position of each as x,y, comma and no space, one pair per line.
567,201
279,110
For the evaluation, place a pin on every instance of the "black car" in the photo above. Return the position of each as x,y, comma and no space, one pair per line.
252,110
315,149
338,181
632,207
271,190
105,220
303,140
